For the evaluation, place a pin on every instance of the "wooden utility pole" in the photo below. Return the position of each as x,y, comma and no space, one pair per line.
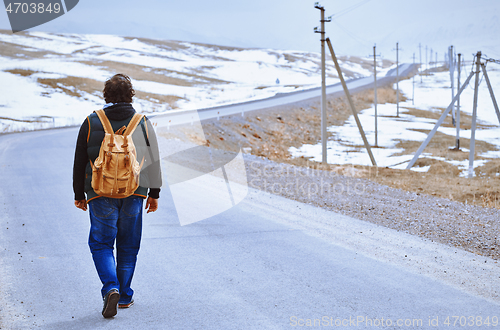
351,103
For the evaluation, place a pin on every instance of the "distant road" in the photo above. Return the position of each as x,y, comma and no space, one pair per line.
177,117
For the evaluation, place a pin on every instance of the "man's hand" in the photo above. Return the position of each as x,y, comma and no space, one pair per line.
151,204
81,204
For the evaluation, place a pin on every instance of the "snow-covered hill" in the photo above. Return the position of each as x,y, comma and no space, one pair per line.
56,79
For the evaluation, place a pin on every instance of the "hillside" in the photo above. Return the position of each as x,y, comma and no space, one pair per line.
52,80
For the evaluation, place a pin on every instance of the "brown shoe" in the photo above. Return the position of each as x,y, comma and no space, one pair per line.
110,303
126,305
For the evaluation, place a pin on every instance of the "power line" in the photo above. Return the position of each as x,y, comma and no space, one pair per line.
360,40
487,59
345,11
356,38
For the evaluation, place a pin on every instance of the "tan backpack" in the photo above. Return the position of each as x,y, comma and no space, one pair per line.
115,172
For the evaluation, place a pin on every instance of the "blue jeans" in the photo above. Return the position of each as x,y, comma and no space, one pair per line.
120,219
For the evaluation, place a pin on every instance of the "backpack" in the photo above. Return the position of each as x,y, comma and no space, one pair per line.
115,172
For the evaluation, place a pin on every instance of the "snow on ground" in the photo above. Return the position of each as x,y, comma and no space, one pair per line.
346,145
194,75
26,105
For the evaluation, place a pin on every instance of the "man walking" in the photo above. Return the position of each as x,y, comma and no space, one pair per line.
116,219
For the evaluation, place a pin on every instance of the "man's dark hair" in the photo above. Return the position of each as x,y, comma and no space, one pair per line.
118,89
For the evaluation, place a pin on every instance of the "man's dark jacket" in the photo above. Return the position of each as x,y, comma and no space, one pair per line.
89,142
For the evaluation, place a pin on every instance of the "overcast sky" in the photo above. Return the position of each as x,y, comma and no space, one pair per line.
470,25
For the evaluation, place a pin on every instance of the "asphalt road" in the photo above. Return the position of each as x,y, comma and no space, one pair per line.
241,269
179,117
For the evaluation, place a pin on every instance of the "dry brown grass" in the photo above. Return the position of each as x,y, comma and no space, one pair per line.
21,72
169,44
19,52
465,119
442,145
94,87
270,132
366,63
442,181
163,76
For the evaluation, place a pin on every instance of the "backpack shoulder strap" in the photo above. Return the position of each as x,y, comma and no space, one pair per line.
105,121
132,125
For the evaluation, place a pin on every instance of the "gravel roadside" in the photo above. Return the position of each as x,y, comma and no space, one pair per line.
471,228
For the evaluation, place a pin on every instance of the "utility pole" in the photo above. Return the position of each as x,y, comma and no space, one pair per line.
474,116
441,119
351,103
413,83
457,123
397,78
430,62
438,123
420,52
375,91
323,82
426,63
495,105
452,78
